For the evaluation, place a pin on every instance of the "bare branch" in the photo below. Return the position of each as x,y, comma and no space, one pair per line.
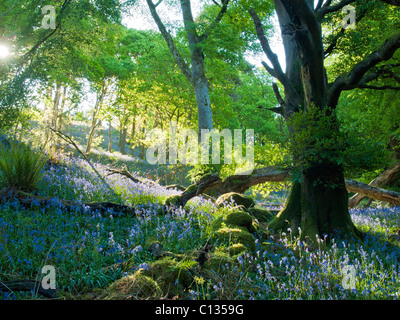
278,94
158,3
276,71
270,70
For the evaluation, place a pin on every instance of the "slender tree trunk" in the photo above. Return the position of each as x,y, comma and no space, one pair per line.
198,77
56,104
122,139
195,74
132,144
95,122
62,106
123,132
109,137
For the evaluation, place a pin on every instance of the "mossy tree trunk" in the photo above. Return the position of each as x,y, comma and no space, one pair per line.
317,209
318,201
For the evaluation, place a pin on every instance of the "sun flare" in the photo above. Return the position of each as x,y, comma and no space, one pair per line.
4,51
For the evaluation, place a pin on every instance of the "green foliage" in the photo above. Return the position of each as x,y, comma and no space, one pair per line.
316,138
21,166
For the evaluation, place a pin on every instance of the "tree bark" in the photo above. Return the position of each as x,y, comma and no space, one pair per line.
206,183
198,77
241,183
122,139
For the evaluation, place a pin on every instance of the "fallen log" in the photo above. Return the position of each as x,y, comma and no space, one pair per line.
240,183
27,285
386,177
372,192
128,175
29,200
206,183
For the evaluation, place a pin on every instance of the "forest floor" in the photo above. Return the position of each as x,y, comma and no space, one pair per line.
190,253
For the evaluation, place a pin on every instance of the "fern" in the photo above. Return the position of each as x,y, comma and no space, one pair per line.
21,166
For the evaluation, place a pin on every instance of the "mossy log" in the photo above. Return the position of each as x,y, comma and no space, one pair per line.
30,200
207,182
240,184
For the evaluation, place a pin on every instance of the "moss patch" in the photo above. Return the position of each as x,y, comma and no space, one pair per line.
219,258
173,200
135,286
239,199
236,249
236,219
261,215
234,235
171,278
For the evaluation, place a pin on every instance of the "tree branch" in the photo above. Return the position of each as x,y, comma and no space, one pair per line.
278,94
276,71
217,20
319,5
320,14
170,42
392,2
37,45
301,13
158,3
355,76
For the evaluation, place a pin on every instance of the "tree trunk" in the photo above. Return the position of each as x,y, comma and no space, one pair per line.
317,204
198,77
132,138
122,138
195,74
95,122
109,137
204,110
56,104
